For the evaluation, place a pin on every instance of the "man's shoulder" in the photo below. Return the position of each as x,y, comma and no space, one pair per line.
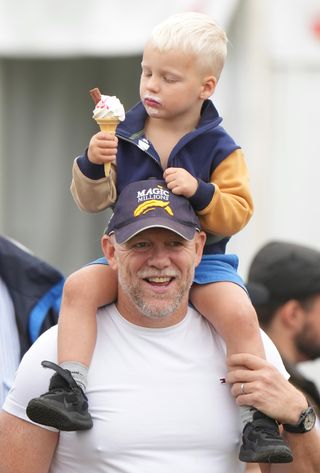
45,344
49,337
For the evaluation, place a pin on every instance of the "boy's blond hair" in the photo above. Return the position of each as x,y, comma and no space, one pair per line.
194,33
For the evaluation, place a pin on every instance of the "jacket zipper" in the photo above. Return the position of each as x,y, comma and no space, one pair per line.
137,146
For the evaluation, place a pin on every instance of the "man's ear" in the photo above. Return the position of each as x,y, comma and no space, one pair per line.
292,315
200,239
108,249
208,87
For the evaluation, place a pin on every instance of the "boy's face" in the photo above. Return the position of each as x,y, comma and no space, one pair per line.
172,85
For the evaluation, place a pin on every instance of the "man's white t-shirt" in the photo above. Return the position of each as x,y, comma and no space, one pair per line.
155,395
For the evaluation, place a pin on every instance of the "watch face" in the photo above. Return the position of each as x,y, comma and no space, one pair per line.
305,424
310,419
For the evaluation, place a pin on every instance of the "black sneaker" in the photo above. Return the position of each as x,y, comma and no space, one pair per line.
262,442
64,406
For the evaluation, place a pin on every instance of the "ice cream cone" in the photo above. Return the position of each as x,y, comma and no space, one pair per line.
108,125
108,113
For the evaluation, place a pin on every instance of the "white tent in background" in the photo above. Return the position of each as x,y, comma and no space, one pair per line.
62,28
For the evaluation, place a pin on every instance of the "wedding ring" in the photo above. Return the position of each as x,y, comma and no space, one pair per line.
242,388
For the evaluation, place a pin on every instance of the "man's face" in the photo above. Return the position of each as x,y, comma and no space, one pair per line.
308,338
155,271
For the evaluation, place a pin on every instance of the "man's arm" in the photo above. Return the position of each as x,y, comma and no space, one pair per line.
267,390
25,447
306,455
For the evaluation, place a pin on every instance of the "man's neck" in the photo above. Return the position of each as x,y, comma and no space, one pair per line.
135,316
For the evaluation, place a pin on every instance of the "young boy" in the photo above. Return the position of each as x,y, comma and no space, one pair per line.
173,133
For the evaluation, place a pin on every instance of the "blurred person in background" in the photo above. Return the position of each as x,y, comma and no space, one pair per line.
30,294
284,286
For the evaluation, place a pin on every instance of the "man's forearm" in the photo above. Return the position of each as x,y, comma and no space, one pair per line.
306,453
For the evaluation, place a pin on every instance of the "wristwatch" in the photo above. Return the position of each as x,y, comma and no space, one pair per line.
306,422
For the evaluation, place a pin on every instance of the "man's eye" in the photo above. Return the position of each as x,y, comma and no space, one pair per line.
141,245
175,244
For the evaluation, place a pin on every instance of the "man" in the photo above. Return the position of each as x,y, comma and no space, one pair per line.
155,386
30,295
284,285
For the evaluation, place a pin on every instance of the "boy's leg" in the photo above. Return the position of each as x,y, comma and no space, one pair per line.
84,292
65,405
228,308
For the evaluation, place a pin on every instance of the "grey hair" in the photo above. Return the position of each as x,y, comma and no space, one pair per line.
194,33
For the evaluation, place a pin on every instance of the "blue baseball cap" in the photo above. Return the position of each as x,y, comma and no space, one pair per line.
150,204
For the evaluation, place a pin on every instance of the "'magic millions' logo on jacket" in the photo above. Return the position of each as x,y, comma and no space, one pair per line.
151,198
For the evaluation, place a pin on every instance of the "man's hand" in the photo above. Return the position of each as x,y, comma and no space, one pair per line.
102,148
256,382
180,182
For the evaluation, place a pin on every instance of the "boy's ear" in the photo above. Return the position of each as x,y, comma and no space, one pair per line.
208,87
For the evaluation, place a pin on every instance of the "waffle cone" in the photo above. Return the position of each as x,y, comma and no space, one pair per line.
108,125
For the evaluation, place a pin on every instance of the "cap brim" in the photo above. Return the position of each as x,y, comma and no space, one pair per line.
129,231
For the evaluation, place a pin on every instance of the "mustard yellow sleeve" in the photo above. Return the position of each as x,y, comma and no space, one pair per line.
93,195
231,206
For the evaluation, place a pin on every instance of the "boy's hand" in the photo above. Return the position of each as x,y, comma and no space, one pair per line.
102,148
180,182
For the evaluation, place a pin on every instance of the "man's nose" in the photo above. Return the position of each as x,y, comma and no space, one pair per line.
159,257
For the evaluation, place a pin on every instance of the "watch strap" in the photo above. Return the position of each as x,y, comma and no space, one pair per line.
305,424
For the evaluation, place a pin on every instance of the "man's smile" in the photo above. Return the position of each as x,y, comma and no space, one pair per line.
159,280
